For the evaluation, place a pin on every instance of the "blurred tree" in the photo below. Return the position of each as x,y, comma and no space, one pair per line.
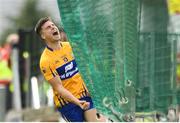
29,15
26,19
5,33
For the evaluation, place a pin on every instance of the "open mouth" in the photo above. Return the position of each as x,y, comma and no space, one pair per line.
55,33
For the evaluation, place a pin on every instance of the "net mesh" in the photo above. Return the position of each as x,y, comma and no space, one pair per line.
156,71
104,38
125,71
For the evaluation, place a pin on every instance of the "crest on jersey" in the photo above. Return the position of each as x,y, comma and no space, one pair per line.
65,59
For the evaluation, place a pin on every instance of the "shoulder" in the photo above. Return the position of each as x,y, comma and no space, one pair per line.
65,43
44,59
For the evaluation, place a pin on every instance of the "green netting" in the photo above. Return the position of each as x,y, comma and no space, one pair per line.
104,37
127,70
156,71
156,59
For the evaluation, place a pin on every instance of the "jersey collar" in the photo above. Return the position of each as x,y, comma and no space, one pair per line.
51,48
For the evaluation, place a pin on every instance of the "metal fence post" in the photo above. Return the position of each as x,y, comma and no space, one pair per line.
15,69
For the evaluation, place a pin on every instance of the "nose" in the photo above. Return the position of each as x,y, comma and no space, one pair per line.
53,27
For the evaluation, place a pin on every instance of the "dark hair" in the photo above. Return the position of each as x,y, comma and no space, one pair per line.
40,24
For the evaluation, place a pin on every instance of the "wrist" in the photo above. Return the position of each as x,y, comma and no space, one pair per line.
77,102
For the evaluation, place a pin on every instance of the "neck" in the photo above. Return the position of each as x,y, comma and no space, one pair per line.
54,45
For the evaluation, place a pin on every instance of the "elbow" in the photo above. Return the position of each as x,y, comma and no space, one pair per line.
59,89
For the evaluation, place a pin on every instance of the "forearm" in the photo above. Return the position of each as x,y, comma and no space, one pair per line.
58,87
63,92
67,95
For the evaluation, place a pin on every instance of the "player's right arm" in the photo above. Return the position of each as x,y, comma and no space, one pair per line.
58,87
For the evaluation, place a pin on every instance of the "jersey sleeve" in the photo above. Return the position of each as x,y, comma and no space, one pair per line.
47,70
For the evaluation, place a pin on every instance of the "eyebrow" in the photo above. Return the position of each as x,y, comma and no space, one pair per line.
49,25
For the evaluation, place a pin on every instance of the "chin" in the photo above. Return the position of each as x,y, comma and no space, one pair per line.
57,39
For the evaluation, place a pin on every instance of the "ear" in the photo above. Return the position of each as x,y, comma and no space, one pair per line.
42,36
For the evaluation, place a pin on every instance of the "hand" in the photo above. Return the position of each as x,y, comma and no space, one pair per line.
83,104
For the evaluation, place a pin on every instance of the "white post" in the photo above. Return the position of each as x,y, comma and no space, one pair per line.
35,93
15,69
2,102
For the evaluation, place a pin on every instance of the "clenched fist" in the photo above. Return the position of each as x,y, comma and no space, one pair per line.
83,104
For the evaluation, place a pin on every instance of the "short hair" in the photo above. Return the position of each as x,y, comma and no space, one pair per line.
40,23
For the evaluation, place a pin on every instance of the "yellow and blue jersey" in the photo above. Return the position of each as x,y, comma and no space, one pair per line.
61,62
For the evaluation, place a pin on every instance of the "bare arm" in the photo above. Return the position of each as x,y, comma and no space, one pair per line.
57,85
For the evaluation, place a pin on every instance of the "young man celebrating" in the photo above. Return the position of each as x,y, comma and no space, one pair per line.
59,68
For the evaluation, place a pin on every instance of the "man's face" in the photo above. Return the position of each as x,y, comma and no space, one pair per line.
50,32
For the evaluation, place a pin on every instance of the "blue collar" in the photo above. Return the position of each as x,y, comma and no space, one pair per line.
49,48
